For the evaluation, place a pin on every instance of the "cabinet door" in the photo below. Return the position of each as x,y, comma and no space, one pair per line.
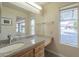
39,50
40,53
28,54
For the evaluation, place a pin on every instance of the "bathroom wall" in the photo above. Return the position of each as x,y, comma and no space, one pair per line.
39,24
51,28
52,14
12,13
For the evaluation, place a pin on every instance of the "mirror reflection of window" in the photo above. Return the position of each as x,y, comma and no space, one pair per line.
20,25
32,26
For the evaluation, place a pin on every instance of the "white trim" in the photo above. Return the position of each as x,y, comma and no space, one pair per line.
69,6
58,54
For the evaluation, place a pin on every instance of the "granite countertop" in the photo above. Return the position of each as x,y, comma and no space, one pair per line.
28,44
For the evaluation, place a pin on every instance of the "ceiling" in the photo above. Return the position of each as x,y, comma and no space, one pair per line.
41,3
29,9
25,9
44,3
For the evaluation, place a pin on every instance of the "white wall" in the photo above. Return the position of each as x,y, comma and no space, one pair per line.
51,13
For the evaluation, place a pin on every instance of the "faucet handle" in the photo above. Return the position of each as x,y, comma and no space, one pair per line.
9,36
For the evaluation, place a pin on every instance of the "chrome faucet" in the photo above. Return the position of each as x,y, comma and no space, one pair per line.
9,38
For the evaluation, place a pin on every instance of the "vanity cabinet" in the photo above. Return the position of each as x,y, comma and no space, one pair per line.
37,51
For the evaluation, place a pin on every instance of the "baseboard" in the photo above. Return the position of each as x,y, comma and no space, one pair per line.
58,54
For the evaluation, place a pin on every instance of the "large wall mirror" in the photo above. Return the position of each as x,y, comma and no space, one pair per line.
0,17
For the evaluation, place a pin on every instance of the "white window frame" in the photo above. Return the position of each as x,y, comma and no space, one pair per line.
69,7
19,29
33,26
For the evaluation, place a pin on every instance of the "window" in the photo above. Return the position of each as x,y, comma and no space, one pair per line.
32,26
20,26
68,27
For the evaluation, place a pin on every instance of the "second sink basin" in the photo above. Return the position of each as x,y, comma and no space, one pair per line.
11,47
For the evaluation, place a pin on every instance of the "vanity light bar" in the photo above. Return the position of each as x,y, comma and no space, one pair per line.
34,5
28,6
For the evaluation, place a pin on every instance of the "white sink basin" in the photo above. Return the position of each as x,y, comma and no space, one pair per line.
11,47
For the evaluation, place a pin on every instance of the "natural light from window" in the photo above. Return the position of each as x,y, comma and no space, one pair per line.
68,27
20,26
33,26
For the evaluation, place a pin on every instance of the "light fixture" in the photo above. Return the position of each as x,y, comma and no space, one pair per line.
30,6
35,5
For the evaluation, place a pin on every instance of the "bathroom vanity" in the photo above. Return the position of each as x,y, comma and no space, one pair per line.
36,51
26,47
